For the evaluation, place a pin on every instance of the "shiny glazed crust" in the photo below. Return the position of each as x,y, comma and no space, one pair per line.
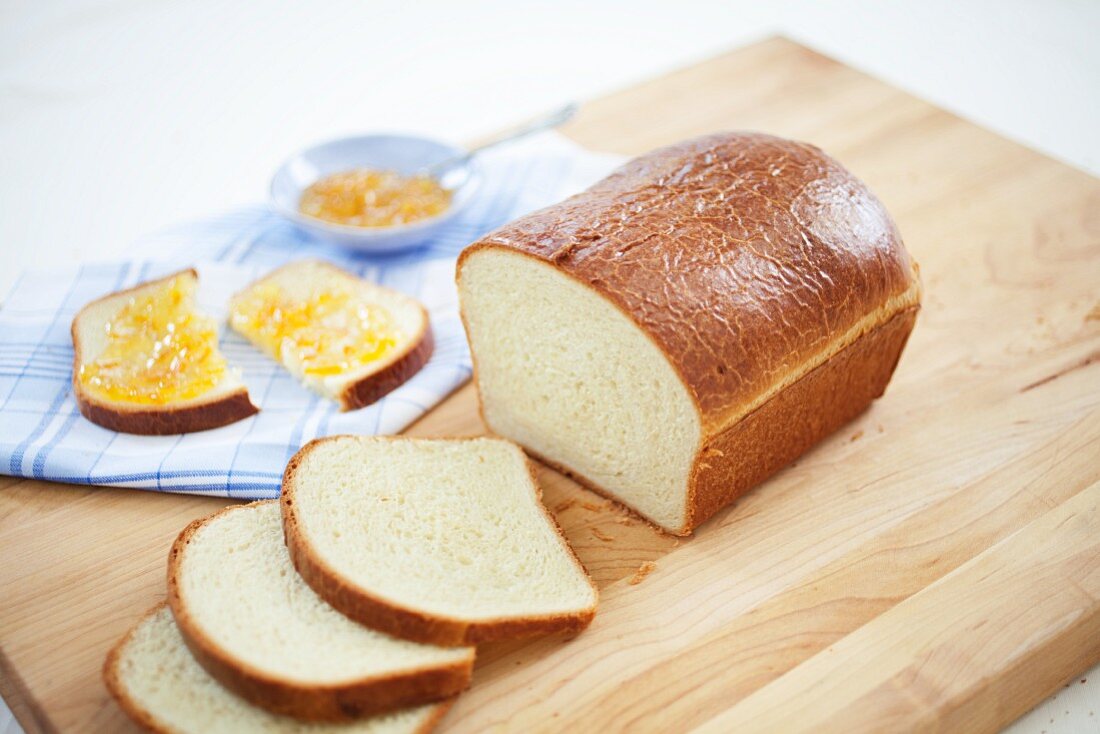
155,421
413,624
796,418
339,702
751,262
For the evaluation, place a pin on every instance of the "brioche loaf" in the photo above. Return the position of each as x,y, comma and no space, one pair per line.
343,337
690,324
438,541
133,372
160,686
257,628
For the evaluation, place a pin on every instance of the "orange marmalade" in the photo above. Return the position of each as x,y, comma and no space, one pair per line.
367,198
158,349
323,334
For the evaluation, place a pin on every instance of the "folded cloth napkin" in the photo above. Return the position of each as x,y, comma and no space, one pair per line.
43,435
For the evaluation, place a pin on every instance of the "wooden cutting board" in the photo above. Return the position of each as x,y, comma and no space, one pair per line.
936,564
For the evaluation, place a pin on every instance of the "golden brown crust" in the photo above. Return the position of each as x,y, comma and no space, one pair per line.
743,256
154,420
339,702
399,621
227,409
796,418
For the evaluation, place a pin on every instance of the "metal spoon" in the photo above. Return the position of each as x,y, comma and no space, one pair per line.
453,172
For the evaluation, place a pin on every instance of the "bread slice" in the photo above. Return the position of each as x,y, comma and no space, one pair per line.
690,324
439,541
128,348
343,337
160,686
255,626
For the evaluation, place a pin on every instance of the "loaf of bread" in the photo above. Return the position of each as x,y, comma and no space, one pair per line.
690,324
261,632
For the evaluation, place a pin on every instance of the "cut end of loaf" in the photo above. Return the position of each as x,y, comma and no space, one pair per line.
564,372
438,541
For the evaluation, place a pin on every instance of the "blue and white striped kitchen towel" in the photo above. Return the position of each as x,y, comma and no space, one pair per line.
43,435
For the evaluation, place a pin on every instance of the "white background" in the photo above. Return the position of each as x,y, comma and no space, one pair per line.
118,117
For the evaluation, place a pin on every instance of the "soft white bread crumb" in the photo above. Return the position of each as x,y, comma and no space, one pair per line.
564,372
160,685
438,531
236,595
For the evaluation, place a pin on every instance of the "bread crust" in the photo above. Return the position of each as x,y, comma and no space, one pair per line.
330,702
229,408
147,420
395,619
794,419
781,261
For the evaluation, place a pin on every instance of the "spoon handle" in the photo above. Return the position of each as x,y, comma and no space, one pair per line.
546,122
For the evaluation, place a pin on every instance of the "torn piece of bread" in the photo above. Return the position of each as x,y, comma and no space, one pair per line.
145,361
252,622
160,686
690,324
343,337
439,541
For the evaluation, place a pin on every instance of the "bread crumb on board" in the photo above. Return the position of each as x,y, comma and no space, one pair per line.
574,502
643,570
856,436
563,506
601,535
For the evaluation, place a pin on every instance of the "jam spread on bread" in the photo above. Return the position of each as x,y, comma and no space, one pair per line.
158,351
329,332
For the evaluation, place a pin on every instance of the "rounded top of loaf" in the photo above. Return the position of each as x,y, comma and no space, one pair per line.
747,258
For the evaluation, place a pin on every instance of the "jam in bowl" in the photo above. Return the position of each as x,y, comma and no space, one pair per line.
371,192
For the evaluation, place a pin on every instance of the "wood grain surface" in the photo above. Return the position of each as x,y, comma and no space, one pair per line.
935,565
